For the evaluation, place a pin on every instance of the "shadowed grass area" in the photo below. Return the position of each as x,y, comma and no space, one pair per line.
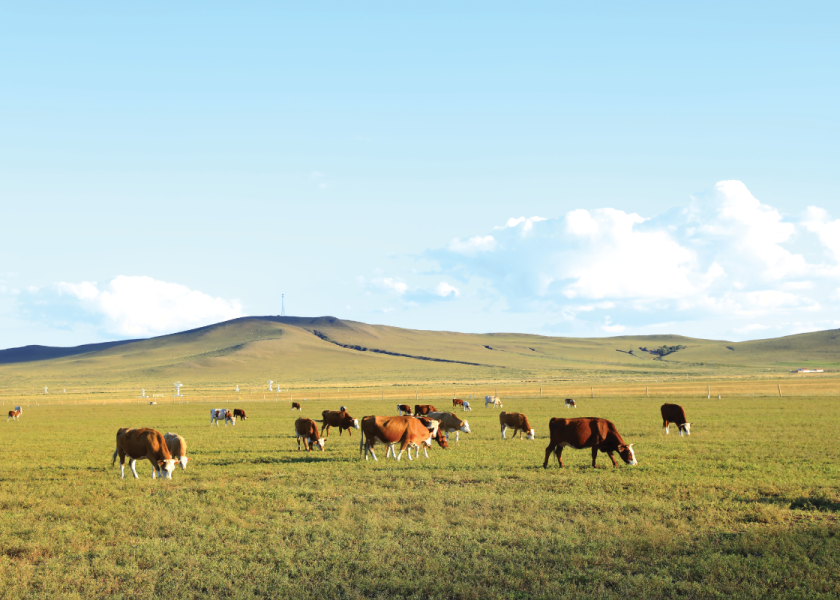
747,506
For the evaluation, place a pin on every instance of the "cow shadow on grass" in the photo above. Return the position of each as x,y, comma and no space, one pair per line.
280,460
816,502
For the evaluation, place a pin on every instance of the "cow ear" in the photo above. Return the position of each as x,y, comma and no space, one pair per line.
161,463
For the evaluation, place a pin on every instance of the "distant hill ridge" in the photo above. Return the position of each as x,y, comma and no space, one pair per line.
323,349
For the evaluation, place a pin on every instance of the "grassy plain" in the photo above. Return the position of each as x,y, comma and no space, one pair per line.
746,507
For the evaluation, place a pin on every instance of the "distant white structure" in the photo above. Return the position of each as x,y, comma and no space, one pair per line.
269,385
45,390
237,388
178,385
798,371
142,393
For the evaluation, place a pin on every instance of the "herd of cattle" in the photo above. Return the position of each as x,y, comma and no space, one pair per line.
410,430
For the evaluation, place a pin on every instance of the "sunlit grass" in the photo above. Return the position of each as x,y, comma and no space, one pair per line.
746,506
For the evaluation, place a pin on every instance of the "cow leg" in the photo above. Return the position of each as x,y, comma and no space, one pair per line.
446,435
122,466
402,449
547,454
457,433
370,447
131,463
559,452
612,458
665,425
504,428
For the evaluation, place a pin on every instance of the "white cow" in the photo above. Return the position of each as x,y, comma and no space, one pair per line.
177,448
217,414
465,406
492,400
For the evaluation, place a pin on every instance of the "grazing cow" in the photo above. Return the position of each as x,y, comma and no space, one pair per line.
403,409
570,403
466,406
239,413
492,400
588,432
296,406
439,437
14,415
449,423
217,414
457,402
308,431
338,418
674,413
406,431
517,422
423,409
177,448
143,443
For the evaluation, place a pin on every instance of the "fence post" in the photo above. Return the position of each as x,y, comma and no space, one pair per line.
780,390
647,392
591,392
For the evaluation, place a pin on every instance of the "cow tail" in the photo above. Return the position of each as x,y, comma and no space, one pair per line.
361,443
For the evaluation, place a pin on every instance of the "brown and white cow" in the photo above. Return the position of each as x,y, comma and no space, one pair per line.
406,431
570,403
296,406
340,419
457,402
517,422
588,432
177,448
449,422
14,415
143,443
403,409
674,413
438,437
423,409
307,430
217,414
238,413
492,401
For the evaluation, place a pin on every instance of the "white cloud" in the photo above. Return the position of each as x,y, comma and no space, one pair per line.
527,224
138,306
443,290
474,244
722,257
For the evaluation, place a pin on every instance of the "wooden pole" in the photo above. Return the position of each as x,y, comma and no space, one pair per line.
591,392
780,390
647,392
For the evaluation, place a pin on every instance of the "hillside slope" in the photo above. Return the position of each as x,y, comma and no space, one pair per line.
327,350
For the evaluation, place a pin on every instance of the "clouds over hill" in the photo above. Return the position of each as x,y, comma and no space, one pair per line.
724,258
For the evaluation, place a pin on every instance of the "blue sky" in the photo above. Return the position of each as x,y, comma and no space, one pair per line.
556,168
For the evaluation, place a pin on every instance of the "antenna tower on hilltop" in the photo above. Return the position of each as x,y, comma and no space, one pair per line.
282,305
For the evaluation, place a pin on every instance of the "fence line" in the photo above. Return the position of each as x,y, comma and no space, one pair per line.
429,394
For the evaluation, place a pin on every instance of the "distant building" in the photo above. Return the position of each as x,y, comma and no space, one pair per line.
803,370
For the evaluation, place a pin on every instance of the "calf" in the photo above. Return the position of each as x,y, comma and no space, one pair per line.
517,422
588,432
296,406
403,409
674,413
144,443
406,431
570,403
450,423
493,400
423,409
338,418
177,448
14,415
238,412
307,430
439,437
217,414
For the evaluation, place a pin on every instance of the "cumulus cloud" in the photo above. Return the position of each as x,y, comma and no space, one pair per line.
140,306
723,255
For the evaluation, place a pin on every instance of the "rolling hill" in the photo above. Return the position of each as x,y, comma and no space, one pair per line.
331,351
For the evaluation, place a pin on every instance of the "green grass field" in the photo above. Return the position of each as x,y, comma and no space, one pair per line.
746,507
